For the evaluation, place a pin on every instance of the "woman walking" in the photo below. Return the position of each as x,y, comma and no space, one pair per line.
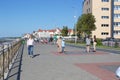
30,45
59,44
88,41
94,43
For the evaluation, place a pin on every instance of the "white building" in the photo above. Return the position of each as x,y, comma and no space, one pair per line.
48,33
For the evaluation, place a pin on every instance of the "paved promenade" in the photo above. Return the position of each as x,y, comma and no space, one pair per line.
74,64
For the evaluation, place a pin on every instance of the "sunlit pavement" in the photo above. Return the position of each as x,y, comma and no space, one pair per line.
73,64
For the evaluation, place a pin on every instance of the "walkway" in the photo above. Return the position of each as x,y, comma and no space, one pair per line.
75,64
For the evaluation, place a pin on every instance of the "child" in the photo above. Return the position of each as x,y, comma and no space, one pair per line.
63,45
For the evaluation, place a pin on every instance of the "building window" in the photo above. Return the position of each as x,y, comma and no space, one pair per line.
116,15
116,7
105,9
105,17
117,32
116,0
105,0
104,33
116,24
105,25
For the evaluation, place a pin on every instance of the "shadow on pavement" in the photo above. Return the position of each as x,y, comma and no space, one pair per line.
36,55
15,71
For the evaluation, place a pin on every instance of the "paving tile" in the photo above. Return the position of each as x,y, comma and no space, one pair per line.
100,70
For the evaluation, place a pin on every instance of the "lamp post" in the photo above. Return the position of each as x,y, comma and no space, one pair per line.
75,30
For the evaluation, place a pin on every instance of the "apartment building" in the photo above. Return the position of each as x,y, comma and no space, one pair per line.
107,14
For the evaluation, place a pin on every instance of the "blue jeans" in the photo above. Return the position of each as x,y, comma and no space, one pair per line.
30,50
63,49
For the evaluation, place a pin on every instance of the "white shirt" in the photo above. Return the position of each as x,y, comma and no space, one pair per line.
118,72
30,42
88,41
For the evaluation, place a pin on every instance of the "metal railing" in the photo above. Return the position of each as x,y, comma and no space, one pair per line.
7,53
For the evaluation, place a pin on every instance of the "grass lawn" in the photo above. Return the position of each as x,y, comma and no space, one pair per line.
101,47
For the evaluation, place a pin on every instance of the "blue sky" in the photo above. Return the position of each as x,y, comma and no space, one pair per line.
25,16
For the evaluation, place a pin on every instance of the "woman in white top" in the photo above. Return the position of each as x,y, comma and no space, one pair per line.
30,46
88,40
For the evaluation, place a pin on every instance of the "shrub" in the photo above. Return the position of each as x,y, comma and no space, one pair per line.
99,42
116,44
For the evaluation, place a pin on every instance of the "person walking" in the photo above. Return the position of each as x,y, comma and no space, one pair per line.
55,39
50,39
63,45
30,45
94,43
59,44
88,41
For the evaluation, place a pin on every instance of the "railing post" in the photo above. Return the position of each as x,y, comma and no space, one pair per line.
3,61
11,52
8,56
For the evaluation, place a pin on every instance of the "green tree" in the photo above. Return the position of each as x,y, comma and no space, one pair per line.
86,24
64,31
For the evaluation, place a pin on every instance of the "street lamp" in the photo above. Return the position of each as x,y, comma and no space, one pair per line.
75,30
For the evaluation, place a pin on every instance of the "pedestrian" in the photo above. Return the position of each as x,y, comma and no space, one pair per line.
30,45
23,41
63,45
59,44
88,41
94,43
50,39
118,73
55,39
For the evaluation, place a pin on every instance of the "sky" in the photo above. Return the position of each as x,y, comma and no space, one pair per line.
18,17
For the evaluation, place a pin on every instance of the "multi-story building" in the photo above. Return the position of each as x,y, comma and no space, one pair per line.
107,15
